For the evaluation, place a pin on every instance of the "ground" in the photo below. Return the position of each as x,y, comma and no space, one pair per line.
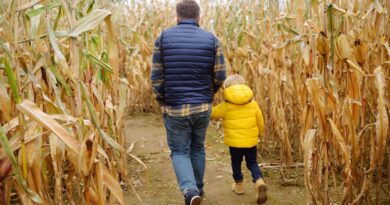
157,184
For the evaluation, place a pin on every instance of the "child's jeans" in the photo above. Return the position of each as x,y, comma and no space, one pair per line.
250,154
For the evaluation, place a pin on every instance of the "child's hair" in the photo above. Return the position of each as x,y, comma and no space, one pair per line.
234,80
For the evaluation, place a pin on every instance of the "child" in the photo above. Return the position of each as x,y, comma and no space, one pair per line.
243,122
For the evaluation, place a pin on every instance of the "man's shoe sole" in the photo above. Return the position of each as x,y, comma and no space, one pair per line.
261,194
196,200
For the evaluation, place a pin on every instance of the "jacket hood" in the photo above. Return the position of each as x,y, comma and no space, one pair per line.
238,94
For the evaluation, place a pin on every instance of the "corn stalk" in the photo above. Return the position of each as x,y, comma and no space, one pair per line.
64,104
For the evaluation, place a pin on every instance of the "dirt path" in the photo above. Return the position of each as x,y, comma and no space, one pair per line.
157,184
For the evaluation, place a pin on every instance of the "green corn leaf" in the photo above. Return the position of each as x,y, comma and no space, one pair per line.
59,15
281,26
92,112
21,181
105,75
240,37
61,80
97,61
89,22
90,6
308,7
39,9
340,26
95,45
12,80
96,40
35,22
329,12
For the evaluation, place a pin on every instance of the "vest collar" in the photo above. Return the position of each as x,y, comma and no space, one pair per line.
189,21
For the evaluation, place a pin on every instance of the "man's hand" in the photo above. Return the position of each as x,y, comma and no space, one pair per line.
162,109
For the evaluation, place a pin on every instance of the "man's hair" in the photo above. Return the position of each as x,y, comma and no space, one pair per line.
234,80
188,9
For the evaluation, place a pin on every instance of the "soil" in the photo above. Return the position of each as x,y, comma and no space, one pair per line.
157,184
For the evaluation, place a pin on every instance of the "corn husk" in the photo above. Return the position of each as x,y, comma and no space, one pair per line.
343,48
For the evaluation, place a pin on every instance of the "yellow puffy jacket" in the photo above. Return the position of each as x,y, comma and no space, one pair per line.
242,117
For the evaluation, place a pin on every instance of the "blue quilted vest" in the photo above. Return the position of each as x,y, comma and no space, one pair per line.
188,54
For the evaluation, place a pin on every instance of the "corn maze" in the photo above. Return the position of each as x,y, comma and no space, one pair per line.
71,69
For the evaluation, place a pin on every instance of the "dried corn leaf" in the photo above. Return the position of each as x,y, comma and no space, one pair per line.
60,58
5,102
21,181
92,113
30,109
88,155
382,123
346,160
356,66
313,87
113,185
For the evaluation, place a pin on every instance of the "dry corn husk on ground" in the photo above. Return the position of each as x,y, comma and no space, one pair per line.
63,99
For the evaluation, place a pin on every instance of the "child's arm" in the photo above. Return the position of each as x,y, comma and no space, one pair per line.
218,111
259,119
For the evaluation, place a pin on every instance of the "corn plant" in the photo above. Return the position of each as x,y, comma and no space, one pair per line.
63,96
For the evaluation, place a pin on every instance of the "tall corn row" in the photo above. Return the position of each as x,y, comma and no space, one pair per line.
138,29
320,71
63,97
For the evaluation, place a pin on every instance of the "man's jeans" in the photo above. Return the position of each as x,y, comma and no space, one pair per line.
186,136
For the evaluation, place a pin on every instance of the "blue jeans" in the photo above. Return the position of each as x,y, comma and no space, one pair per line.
237,155
186,136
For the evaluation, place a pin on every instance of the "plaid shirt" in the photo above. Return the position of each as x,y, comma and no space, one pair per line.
157,78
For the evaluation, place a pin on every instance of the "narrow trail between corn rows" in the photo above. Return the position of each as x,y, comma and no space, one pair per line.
157,183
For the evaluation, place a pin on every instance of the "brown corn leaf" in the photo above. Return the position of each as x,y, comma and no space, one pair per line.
88,155
30,109
382,123
113,185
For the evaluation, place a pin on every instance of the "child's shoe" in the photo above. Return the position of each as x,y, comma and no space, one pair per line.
238,188
261,189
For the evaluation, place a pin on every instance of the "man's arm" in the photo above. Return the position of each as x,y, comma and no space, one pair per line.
157,73
219,67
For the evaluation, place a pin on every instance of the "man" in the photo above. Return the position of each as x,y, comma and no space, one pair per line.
188,69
